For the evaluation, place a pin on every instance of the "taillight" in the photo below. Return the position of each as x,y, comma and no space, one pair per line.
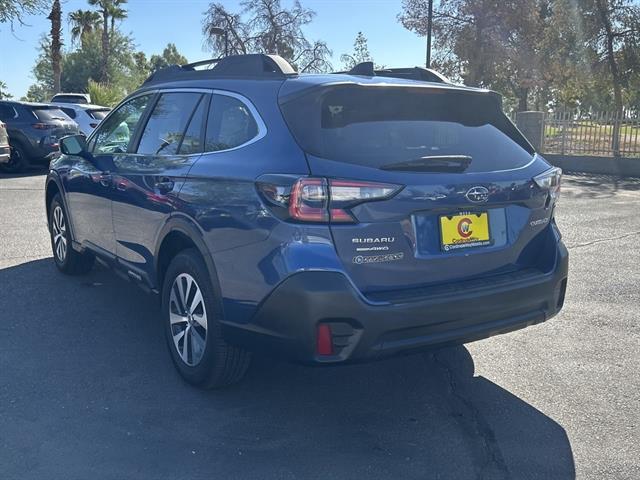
348,193
550,181
320,200
308,200
43,126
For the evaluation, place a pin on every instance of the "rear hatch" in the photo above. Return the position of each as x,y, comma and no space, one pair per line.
54,123
460,203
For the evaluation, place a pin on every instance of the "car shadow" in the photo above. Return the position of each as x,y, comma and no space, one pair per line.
87,390
576,185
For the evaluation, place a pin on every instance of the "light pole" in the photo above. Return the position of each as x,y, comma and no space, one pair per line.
221,31
429,25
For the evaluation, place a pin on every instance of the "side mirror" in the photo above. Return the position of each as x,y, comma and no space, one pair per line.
73,145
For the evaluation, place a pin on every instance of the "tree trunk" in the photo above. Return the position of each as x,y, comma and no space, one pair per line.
56,44
603,13
104,70
523,97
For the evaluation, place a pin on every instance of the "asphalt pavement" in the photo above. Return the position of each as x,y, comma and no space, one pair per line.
88,391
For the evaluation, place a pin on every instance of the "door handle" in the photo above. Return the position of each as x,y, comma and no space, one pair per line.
105,179
165,185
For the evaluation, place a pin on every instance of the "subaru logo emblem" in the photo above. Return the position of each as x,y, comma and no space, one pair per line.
477,195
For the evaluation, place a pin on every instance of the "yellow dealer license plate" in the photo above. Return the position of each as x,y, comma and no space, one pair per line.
465,230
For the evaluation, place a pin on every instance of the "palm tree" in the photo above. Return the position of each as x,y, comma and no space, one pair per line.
56,43
83,23
108,9
103,10
116,13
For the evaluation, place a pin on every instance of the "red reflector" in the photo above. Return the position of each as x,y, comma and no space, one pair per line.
324,344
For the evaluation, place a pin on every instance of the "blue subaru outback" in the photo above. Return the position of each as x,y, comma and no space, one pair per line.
322,218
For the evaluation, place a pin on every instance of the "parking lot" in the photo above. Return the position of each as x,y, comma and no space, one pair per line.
87,389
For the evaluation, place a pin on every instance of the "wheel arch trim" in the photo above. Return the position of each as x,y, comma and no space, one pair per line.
54,178
186,226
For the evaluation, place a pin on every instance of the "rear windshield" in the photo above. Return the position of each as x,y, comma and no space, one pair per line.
98,114
376,126
69,99
44,114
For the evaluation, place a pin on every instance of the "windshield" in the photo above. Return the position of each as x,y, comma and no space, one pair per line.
377,126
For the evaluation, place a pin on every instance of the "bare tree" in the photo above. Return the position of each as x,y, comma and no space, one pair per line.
14,10
237,33
264,26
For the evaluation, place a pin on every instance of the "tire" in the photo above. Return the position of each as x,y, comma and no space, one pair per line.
65,257
192,327
18,161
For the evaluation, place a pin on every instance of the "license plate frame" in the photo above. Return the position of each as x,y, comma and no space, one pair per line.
453,227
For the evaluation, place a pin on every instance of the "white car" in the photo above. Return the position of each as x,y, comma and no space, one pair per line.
85,115
83,98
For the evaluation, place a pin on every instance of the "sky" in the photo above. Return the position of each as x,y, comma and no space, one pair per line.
154,23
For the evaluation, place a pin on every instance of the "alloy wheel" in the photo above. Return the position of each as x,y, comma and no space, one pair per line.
59,228
188,319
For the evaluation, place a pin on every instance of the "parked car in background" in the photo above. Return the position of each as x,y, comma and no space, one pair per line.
34,130
5,149
87,116
81,98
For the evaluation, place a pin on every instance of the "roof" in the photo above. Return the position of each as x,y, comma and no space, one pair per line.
302,82
82,106
29,104
252,74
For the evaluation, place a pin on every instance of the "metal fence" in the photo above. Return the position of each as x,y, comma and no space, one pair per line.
597,134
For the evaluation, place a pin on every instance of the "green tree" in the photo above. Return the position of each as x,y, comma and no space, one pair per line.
85,63
360,53
82,23
169,56
110,11
264,26
612,32
486,43
4,95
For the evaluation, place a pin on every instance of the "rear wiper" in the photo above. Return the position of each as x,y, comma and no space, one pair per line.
433,163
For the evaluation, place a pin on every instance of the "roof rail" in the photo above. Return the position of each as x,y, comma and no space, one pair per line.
411,73
255,65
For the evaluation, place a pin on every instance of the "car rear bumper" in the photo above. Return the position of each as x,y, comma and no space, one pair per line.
286,323
5,154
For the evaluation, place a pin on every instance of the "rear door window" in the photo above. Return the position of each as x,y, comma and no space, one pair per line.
165,130
70,112
7,113
230,124
98,114
377,126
